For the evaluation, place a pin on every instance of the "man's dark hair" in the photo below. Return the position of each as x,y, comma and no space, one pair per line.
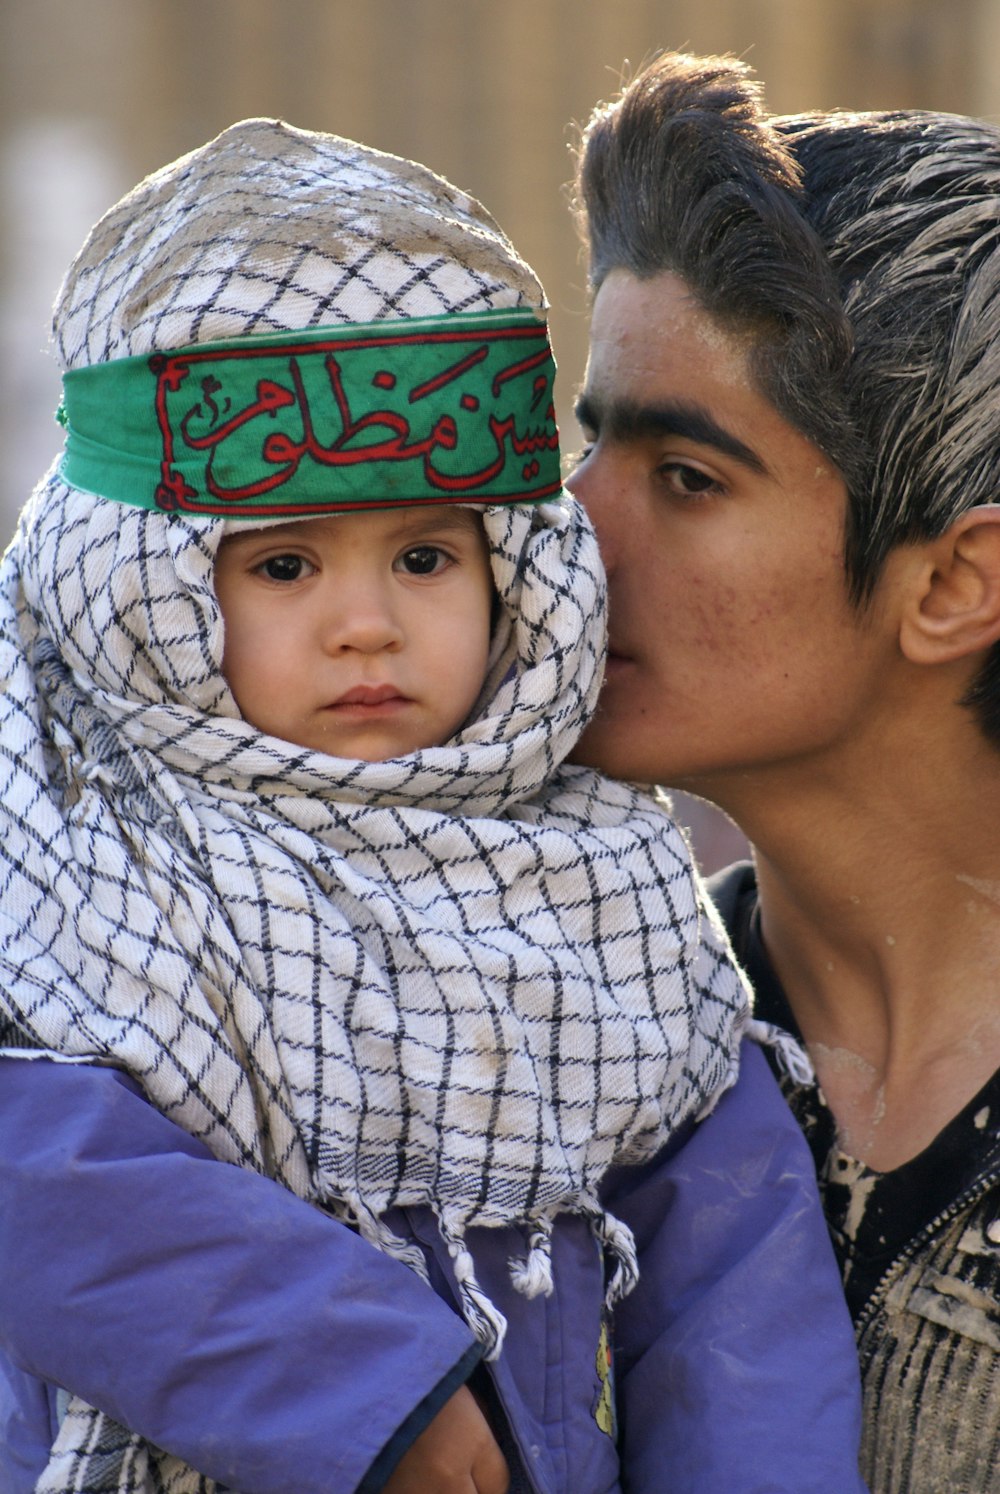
862,254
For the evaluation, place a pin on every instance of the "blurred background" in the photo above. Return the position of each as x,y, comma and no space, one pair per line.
96,93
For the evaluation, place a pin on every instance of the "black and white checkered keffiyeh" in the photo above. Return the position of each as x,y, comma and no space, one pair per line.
470,978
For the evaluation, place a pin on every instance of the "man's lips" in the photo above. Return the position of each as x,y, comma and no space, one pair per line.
616,661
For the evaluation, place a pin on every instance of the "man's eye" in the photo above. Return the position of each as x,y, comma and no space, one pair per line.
685,480
423,560
284,567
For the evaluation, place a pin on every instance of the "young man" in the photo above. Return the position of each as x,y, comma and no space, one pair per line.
790,413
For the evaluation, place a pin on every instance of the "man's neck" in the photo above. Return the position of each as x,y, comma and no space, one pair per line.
880,911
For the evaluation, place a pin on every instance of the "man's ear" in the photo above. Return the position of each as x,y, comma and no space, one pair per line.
953,606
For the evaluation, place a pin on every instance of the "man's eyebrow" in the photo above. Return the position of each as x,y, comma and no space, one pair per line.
624,420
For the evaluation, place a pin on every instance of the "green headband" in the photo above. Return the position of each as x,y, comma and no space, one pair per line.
444,409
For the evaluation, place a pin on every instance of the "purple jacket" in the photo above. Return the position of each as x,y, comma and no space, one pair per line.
279,1353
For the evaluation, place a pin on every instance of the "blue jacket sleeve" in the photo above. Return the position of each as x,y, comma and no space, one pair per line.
735,1351
201,1305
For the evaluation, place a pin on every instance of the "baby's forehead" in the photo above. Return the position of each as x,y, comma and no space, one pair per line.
402,521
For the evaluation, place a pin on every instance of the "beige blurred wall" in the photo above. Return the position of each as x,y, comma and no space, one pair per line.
95,93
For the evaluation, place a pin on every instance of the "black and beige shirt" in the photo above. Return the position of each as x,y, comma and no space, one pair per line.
919,1248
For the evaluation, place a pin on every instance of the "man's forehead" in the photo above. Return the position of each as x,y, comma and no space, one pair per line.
644,328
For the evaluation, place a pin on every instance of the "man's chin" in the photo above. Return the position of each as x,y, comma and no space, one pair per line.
604,746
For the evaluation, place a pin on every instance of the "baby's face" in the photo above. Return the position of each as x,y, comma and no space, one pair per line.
362,635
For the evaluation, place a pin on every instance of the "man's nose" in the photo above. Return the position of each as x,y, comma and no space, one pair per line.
590,483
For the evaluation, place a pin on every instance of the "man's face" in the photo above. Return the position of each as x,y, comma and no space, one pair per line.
362,635
733,645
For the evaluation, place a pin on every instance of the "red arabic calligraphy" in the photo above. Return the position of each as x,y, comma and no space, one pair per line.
379,435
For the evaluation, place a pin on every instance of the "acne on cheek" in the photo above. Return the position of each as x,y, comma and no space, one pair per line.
725,625
707,598
717,623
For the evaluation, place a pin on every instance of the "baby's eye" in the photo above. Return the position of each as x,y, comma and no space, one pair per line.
285,567
423,560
